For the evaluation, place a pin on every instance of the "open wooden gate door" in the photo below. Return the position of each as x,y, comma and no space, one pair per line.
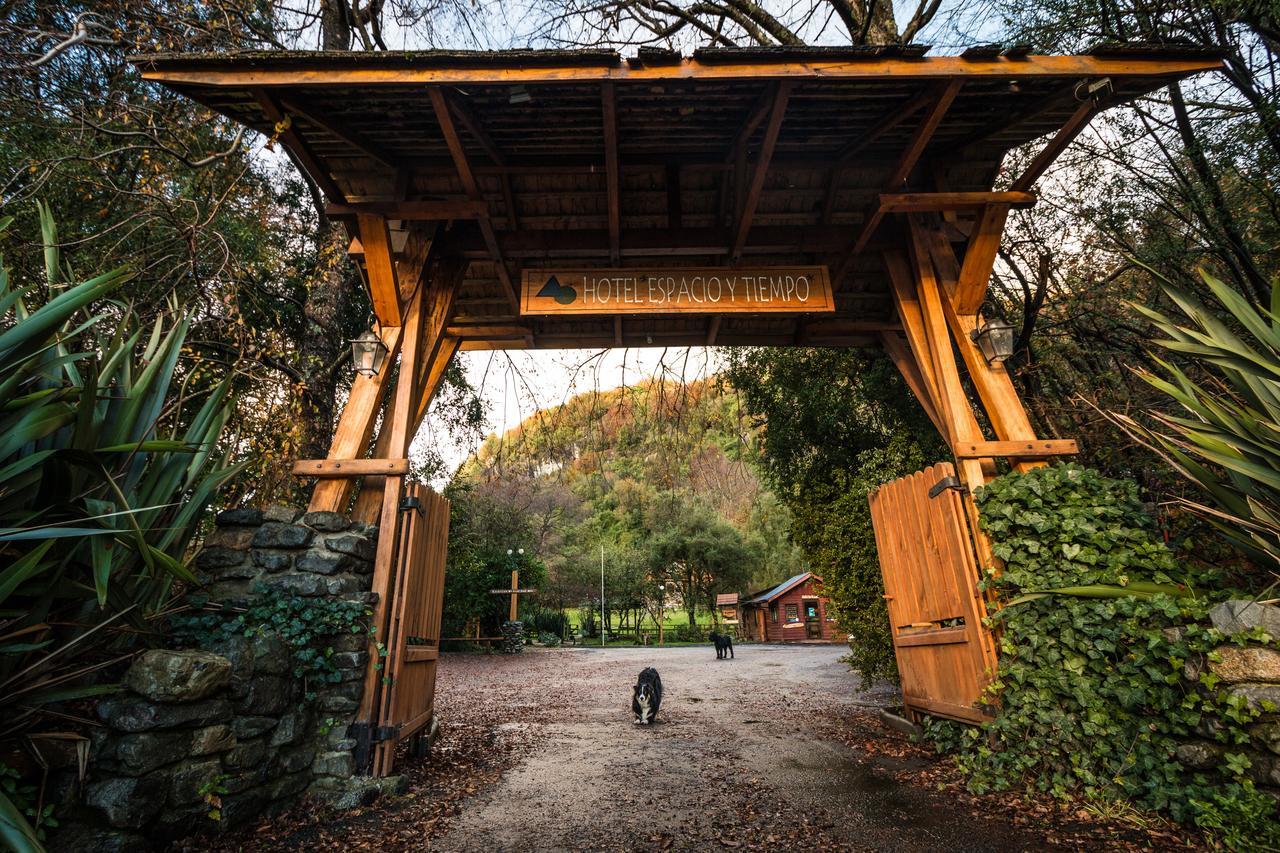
946,656
407,702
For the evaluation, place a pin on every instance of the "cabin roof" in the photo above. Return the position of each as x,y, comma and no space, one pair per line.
781,589
725,598
528,159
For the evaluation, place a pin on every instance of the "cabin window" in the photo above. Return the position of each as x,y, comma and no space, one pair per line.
773,613
793,613
811,610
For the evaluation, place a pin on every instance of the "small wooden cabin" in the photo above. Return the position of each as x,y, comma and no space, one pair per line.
727,608
793,611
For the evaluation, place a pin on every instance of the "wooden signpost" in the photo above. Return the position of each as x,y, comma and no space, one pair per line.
684,290
513,592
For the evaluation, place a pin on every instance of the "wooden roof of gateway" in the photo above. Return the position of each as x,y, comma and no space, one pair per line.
780,156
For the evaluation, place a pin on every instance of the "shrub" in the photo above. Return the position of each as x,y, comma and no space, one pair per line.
549,640
1096,630
549,622
689,634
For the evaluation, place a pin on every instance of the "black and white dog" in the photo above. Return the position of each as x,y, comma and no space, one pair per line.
724,645
646,697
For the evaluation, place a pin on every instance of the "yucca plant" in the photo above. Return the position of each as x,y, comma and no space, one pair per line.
1226,436
108,455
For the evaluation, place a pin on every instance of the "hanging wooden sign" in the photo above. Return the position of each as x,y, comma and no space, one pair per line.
683,290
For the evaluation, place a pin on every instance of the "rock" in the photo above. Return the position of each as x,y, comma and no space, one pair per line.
239,809
129,803
356,546
272,561
1232,617
300,758
338,704
188,779
329,522
290,786
139,754
239,517
135,714
274,535
83,838
166,675
291,729
334,764
1260,696
244,570
212,739
219,559
356,791
229,591
254,776
267,694
1267,735
1199,755
306,585
350,660
270,655
1236,664
247,755
248,727
365,529
345,586
325,563
281,514
234,538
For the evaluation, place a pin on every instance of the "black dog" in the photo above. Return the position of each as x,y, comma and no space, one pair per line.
646,696
724,643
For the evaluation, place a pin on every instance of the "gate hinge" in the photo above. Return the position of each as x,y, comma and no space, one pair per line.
411,502
947,483
382,733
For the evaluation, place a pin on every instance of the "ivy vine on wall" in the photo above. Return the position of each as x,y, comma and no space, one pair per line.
1102,674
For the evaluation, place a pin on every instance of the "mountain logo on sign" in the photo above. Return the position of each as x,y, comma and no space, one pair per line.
562,293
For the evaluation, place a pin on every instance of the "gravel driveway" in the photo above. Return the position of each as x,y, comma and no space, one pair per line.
738,757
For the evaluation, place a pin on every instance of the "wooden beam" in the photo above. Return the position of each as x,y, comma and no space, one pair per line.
943,98
1069,131
1037,449
298,146
736,155
980,259
609,110
330,468
380,268
381,71
468,179
907,303
895,346
481,136
617,331
949,201
411,210
355,427
781,95
295,103
713,329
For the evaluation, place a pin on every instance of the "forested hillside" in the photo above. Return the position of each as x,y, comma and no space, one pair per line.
661,474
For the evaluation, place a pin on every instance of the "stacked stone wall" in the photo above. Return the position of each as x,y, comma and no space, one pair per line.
208,739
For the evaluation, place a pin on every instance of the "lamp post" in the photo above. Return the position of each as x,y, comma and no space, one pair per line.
368,353
662,603
515,577
995,339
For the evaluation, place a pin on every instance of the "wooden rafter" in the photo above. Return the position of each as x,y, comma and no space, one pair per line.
713,329
1068,132
776,112
980,258
736,156
491,150
468,179
942,101
609,115
380,268
298,105
424,211
298,147
939,202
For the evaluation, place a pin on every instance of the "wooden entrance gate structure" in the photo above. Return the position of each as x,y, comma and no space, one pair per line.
946,655
795,196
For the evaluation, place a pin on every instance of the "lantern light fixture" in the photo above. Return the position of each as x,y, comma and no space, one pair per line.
995,339
368,353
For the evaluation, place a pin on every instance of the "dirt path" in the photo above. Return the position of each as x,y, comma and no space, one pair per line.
738,757
776,747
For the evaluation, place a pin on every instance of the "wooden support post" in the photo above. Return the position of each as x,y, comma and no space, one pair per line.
980,258
1069,131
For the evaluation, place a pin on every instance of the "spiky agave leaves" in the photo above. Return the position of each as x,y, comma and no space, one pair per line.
1226,438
